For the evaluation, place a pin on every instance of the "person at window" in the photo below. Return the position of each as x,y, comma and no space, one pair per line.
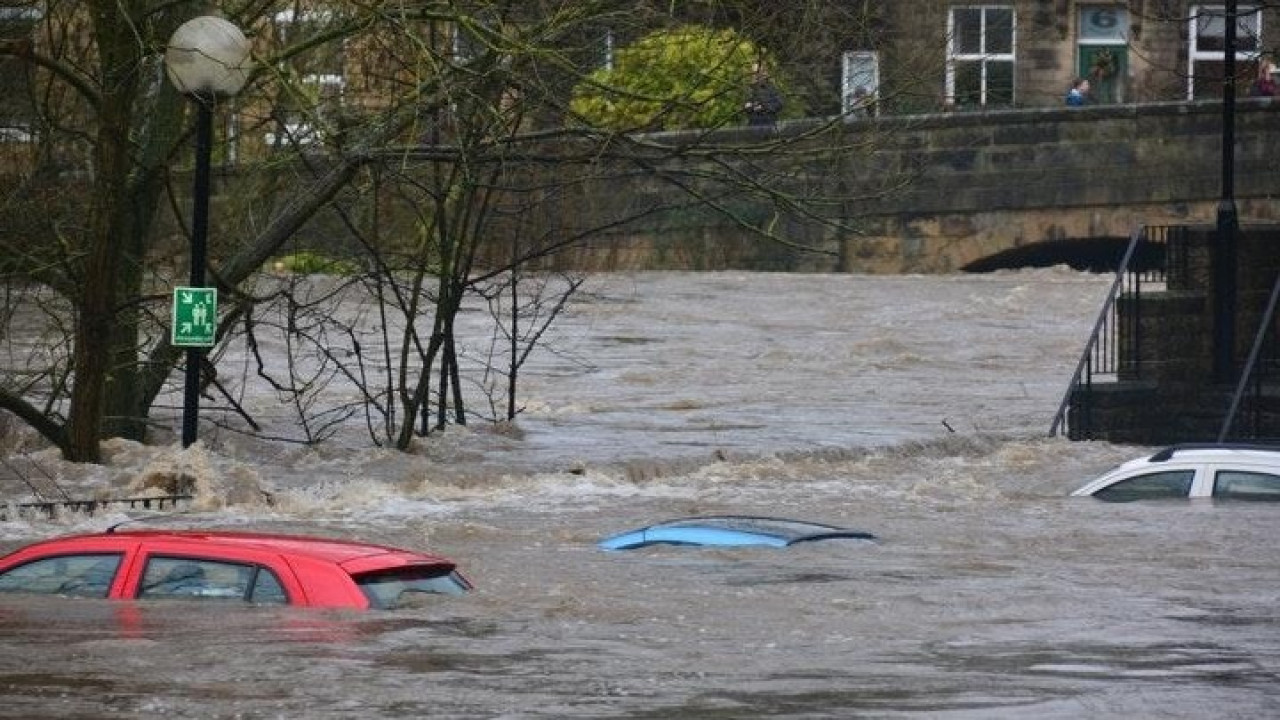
764,102
860,103
1078,95
1264,85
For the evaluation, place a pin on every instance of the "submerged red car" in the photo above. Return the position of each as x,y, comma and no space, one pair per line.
258,568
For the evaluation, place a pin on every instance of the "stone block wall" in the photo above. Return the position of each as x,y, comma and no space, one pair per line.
924,194
964,187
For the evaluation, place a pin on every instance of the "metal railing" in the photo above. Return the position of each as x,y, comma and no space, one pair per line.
1259,368
54,508
1115,344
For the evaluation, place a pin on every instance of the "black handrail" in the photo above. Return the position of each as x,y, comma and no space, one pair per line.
1251,365
1110,347
1097,338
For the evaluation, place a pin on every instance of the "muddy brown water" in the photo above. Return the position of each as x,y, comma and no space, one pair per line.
988,594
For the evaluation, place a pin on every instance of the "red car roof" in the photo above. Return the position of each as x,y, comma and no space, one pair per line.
312,571
341,552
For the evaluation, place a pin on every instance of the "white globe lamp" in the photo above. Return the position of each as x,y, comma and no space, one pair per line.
207,57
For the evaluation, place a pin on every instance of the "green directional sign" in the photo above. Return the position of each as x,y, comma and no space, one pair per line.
195,317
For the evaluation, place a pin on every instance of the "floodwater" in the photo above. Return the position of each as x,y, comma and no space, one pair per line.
915,408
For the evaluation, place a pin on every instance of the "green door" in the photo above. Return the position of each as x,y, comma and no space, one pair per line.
1105,67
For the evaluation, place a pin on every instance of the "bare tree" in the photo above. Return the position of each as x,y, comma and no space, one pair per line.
431,144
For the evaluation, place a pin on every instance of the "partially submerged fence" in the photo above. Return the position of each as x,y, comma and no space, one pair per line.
50,509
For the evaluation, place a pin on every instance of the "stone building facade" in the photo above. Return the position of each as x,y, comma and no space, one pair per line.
858,56
903,61
1025,53
914,56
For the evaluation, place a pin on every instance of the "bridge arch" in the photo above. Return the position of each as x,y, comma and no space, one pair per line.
1098,254
1094,254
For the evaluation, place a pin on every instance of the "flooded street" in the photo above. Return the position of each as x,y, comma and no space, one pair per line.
914,408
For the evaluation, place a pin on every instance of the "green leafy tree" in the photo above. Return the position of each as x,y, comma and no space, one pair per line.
689,77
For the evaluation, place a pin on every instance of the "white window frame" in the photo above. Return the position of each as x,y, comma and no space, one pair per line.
327,80
1125,21
461,49
1120,40
11,12
954,56
19,133
853,75
16,134
1248,17
458,50
608,47
302,132
290,16
287,18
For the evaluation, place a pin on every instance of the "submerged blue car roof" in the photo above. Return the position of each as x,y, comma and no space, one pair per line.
730,531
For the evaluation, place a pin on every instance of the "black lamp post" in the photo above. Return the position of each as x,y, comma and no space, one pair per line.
1224,266
207,59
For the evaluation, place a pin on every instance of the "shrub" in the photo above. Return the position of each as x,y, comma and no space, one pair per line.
307,262
689,77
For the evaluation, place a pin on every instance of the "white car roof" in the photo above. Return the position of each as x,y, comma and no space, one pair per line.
1183,456
1265,453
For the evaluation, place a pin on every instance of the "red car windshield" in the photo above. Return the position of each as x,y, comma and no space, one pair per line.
388,589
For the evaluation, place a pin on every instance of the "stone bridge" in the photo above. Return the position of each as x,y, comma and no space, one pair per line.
978,191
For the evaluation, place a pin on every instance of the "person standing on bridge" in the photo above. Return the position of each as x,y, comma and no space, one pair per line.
1264,85
1078,95
764,102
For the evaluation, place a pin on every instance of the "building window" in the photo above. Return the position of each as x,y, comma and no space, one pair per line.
1206,38
311,97
860,83
1103,51
980,56
607,50
17,99
467,44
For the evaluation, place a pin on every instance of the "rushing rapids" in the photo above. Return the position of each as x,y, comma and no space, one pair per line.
914,408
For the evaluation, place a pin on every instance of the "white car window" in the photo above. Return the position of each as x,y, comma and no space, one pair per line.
1149,486
1243,485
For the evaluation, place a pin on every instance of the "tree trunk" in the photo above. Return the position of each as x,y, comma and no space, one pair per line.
95,319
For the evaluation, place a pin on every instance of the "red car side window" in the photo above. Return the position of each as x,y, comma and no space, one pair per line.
88,575
203,579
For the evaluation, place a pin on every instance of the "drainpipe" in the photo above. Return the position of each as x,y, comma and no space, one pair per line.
1224,266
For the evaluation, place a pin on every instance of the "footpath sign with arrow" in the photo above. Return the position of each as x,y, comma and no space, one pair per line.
195,317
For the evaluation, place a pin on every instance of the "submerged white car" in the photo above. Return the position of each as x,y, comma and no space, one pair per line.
1222,471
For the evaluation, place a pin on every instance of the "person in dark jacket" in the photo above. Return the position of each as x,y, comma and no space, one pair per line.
764,102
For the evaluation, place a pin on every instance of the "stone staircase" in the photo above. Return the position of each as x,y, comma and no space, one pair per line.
1161,387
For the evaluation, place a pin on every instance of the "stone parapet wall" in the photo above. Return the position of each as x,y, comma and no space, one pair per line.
973,185
925,194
